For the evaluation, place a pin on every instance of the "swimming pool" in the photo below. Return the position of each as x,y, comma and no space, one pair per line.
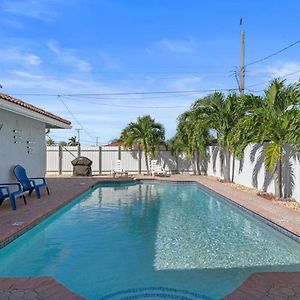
150,240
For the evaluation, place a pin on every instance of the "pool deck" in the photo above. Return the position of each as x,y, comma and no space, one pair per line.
64,189
34,288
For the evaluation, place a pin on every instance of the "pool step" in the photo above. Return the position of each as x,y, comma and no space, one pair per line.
155,293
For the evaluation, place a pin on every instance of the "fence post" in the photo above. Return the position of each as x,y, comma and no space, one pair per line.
119,153
78,150
140,160
100,160
60,154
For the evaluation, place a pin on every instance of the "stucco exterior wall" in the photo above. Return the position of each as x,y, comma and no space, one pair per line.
12,153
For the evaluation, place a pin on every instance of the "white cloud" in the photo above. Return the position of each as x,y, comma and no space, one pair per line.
68,56
26,75
43,10
15,54
186,45
289,70
37,9
292,69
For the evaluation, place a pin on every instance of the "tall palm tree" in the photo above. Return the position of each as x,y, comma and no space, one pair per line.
63,143
220,114
192,138
146,131
73,141
274,123
50,142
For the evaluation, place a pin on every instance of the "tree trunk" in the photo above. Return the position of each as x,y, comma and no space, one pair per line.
147,162
194,164
233,167
176,161
226,168
198,163
278,179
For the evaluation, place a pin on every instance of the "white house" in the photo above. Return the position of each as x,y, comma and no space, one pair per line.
22,136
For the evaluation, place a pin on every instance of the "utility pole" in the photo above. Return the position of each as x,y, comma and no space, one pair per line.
242,60
241,81
78,134
97,141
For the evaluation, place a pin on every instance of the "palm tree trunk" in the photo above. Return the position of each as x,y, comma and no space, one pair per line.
198,163
233,167
226,168
278,179
194,164
176,161
147,162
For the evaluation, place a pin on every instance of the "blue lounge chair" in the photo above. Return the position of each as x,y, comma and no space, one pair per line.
29,184
5,193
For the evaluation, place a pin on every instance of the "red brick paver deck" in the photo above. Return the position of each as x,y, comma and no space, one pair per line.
268,286
34,288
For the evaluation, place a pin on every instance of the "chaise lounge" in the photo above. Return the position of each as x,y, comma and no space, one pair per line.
5,193
29,184
118,169
157,169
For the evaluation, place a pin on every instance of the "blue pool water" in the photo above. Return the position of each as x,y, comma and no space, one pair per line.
150,240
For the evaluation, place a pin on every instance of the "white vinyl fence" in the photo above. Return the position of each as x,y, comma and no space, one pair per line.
133,161
250,171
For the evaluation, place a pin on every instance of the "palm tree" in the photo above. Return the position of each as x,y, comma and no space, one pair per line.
63,143
148,133
274,123
192,138
73,141
50,142
220,114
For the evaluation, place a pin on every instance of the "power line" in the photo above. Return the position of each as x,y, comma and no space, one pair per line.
64,138
267,81
272,54
142,97
127,93
74,117
126,106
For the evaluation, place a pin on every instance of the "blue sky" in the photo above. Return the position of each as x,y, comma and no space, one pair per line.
110,46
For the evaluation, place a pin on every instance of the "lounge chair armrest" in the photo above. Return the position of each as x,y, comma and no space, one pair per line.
38,178
12,183
6,189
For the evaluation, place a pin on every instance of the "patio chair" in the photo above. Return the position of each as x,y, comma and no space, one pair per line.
118,169
5,193
29,184
157,169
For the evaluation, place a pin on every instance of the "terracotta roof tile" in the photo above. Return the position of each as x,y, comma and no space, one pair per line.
33,108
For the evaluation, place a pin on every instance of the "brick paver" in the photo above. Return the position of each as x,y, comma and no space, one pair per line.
34,288
268,286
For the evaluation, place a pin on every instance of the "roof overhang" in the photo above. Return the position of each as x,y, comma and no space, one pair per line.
23,111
